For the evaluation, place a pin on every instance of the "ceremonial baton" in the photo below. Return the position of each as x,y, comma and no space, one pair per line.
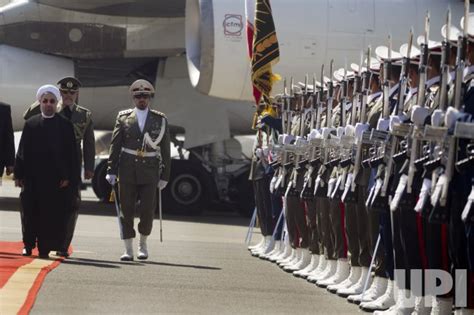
117,208
161,215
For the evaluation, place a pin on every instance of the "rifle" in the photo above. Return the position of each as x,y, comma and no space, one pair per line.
323,143
299,149
344,97
398,131
366,135
418,129
458,87
314,144
439,135
286,127
356,98
381,137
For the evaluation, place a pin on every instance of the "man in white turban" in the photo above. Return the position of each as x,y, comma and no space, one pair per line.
47,170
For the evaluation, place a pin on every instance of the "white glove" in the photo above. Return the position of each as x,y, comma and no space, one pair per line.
314,134
162,184
424,194
383,124
300,141
272,184
280,139
340,131
395,119
468,206
111,178
258,153
265,152
287,139
437,117
402,184
349,130
326,131
452,115
360,129
419,114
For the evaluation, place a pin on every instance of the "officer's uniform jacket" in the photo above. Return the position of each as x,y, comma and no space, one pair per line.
138,168
84,131
81,119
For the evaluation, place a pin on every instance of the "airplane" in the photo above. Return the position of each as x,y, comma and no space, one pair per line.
195,52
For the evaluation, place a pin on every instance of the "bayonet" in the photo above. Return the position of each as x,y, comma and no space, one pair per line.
458,87
417,129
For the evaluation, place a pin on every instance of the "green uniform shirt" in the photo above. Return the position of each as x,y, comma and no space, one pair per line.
134,169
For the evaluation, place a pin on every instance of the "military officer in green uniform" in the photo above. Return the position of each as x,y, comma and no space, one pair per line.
140,158
81,119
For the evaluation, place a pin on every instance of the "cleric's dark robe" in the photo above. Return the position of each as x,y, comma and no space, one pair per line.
46,155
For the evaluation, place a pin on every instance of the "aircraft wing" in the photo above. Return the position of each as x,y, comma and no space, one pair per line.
96,31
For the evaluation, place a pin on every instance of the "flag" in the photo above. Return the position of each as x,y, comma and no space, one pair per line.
265,51
250,19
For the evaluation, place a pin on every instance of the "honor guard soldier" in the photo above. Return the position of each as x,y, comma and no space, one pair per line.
140,159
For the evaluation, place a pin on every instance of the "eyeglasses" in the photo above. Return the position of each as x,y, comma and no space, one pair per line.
50,100
71,92
138,96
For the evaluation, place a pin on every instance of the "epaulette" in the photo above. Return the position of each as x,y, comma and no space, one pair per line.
125,112
154,111
82,108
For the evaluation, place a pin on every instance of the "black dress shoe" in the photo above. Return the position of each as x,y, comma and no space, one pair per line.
44,255
64,254
26,251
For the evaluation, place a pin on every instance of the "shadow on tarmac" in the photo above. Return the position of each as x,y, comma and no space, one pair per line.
116,264
148,262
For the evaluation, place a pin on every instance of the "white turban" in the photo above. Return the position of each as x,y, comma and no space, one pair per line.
48,88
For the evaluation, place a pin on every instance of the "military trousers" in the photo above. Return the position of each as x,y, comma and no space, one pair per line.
277,208
142,198
313,229
263,203
385,229
357,232
336,217
296,221
352,233
461,243
326,235
379,224
389,226
375,229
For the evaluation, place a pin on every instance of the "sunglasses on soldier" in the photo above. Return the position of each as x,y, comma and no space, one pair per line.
138,96
68,91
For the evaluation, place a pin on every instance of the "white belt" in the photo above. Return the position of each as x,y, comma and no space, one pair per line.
140,153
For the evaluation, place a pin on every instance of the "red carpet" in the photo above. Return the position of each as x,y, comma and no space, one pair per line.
21,277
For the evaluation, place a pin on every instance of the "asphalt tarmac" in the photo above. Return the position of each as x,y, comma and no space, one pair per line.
201,267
